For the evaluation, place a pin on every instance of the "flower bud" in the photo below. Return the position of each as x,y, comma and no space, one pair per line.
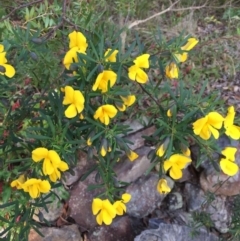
100,68
34,56
104,147
37,40
2,69
162,148
185,150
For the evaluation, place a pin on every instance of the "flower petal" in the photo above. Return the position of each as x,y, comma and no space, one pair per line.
142,61
9,70
71,111
97,205
69,95
228,167
39,154
141,76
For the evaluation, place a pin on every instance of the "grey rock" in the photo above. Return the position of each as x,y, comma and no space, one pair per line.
145,197
120,230
54,208
194,196
173,232
128,171
69,233
81,202
220,215
175,201
219,183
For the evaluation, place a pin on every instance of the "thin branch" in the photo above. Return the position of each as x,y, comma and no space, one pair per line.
153,16
19,7
135,23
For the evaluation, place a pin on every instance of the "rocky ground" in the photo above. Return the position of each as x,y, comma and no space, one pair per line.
182,215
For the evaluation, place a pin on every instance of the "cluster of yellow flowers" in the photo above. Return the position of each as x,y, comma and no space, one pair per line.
171,70
107,78
5,69
209,125
106,211
52,165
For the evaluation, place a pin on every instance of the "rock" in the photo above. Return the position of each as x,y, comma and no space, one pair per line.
219,183
137,139
120,230
79,170
145,197
219,214
175,201
69,233
54,208
194,196
128,171
80,203
173,232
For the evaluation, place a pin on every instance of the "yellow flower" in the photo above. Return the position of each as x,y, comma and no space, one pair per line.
227,164
62,166
104,113
128,100
120,205
51,162
121,107
71,57
77,39
18,182
176,163
36,186
161,150
181,57
112,56
172,71
89,141
163,187
5,69
231,130
185,150
132,156
142,61
103,151
75,100
104,210
208,125
135,72
190,44
169,113
107,76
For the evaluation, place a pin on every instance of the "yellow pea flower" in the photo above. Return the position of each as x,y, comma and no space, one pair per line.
191,43
104,210
103,79
51,162
163,187
5,69
36,186
176,163
121,107
171,71
230,129
77,39
71,57
227,163
142,61
104,113
181,57
169,113
132,156
208,125
112,57
75,100
161,150
136,73
120,205
18,182
128,100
